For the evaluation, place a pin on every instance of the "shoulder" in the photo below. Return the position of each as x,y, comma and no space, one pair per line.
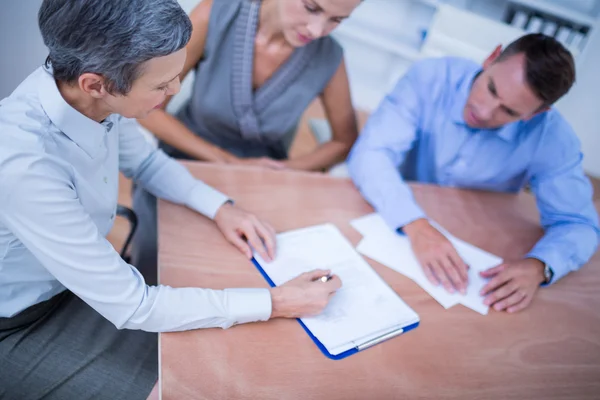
328,45
327,51
24,131
558,143
23,121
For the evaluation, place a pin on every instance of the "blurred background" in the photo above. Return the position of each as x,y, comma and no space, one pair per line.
383,38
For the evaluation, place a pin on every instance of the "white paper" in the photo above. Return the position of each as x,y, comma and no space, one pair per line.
365,306
393,250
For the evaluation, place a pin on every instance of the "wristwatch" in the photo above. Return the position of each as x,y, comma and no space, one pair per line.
548,274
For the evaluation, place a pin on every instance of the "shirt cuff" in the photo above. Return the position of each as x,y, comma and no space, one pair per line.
554,261
249,305
206,200
403,215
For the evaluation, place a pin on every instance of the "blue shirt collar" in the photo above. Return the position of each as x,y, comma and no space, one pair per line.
462,94
85,132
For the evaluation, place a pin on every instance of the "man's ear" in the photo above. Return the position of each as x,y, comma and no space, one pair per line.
492,57
93,84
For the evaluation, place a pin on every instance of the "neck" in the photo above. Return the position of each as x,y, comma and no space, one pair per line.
92,108
269,30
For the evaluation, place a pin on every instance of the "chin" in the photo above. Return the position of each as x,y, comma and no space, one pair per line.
292,39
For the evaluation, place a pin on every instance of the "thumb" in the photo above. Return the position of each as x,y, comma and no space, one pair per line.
492,271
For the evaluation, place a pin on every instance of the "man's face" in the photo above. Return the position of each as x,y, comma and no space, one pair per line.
158,80
500,94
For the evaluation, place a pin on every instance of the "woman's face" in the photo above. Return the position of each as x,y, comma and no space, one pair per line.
303,21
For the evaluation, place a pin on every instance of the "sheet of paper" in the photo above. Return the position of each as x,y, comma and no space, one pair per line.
364,307
384,245
397,255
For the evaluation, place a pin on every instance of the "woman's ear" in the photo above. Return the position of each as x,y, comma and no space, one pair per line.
93,84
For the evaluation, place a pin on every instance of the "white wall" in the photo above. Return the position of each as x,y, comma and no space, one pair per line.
581,106
21,45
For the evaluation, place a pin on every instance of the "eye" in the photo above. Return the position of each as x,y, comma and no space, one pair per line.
311,9
162,88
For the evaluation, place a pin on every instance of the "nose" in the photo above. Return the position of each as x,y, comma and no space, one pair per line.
485,112
174,87
316,27
486,109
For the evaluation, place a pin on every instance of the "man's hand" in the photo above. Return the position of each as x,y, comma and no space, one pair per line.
438,258
264,162
513,284
304,295
243,230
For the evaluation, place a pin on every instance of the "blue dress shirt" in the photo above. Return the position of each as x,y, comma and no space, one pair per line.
59,186
418,133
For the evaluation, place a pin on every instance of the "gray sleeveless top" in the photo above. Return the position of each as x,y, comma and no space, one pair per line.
225,110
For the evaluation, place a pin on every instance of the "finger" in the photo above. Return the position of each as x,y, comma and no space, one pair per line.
520,305
270,228
495,283
498,296
488,273
252,237
430,275
240,244
461,267
270,163
452,273
439,272
276,164
333,284
267,238
316,274
516,297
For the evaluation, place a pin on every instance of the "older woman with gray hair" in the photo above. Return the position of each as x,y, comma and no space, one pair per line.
76,321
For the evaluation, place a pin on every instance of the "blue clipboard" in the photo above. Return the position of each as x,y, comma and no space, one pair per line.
318,342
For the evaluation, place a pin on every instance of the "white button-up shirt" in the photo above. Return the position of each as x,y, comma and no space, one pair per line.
58,196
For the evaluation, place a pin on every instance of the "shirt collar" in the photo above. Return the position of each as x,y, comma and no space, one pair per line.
85,132
462,94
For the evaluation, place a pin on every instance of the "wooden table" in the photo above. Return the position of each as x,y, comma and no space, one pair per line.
549,351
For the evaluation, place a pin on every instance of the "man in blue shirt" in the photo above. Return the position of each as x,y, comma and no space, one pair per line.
450,122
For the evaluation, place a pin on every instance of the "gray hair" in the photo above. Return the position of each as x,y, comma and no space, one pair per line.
112,38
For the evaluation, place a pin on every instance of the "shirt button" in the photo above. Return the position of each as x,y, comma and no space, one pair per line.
105,179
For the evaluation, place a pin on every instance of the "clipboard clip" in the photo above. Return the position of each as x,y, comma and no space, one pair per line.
379,339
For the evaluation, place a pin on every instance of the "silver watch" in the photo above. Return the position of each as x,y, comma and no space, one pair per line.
548,274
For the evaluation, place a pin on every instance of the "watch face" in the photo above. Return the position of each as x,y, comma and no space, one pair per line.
548,273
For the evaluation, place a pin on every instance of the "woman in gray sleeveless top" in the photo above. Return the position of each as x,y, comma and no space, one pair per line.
258,65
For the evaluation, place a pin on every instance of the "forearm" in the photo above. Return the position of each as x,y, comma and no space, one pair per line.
168,179
323,157
170,130
376,176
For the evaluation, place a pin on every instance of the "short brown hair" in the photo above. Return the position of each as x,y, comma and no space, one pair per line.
549,66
